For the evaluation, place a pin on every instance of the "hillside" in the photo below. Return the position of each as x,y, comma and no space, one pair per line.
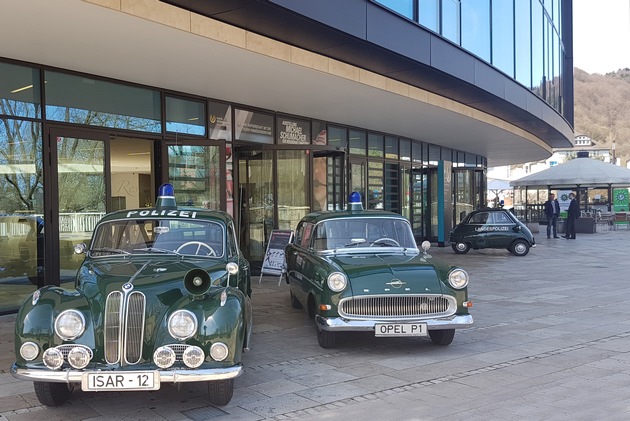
602,109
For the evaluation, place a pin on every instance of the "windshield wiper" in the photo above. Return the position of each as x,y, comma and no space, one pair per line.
108,250
158,250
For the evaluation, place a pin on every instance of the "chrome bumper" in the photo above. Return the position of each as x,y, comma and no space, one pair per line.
165,376
339,324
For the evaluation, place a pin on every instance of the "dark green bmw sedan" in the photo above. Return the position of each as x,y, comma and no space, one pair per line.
162,296
359,270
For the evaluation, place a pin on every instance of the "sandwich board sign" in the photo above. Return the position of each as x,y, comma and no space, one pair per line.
274,262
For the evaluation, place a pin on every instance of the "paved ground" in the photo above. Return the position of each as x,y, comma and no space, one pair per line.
551,341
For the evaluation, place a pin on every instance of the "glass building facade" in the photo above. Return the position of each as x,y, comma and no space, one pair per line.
292,106
521,38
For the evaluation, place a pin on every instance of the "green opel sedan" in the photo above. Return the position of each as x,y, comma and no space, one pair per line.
495,228
162,296
361,270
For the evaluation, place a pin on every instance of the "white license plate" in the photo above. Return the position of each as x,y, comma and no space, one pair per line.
138,380
400,329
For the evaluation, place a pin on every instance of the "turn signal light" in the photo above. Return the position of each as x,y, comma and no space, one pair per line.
324,307
467,304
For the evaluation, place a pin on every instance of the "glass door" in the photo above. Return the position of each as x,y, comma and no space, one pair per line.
424,203
195,172
358,178
255,198
328,176
293,187
79,202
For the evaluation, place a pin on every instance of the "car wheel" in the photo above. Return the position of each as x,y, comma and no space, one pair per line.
461,248
326,338
220,392
52,394
295,303
442,337
520,248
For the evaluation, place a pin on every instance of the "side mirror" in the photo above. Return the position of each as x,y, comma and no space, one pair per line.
516,228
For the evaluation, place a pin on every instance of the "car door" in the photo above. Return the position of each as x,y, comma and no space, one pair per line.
500,230
477,229
297,255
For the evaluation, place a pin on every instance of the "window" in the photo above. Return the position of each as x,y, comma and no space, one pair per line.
19,91
503,36
450,20
185,116
476,27
429,14
93,102
404,7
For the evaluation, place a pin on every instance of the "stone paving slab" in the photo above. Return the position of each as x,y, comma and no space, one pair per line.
551,341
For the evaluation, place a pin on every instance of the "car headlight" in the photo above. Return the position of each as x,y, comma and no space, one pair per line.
458,278
337,281
182,324
69,325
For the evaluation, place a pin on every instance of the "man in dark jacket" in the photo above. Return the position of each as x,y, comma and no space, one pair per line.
572,214
552,210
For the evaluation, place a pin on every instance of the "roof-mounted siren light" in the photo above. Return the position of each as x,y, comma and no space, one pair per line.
166,197
354,201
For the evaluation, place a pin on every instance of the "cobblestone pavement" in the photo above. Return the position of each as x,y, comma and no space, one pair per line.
551,341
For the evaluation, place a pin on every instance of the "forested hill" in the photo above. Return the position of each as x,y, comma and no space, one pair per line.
602,109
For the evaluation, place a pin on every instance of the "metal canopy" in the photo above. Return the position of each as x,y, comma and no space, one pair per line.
578,172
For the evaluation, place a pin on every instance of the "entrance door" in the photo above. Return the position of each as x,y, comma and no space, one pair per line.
255,198
424,203
328,176
78,201
358,179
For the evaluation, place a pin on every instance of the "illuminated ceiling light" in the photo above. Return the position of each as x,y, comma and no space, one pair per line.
23,88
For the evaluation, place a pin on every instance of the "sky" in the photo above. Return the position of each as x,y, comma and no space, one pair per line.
601,35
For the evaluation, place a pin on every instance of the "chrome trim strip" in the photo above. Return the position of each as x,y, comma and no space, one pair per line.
166,376
338,324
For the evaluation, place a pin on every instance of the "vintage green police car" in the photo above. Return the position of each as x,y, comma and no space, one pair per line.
359,270
496,228
163,296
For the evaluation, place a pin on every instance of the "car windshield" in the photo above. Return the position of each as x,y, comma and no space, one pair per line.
363,232
198,238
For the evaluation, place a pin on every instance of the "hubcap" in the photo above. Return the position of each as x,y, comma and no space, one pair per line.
520,248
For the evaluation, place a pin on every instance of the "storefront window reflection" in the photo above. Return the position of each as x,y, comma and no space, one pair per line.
21,210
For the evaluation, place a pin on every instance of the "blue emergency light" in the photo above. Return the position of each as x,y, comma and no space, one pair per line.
166,197
354,201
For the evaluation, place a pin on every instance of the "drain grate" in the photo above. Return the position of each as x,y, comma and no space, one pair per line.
204,413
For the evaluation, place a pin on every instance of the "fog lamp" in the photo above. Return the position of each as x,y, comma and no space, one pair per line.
193,356
79,357
53,358
29,351
219,351
164,357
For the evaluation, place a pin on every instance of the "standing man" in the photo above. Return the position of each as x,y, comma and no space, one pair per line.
573,212
552,211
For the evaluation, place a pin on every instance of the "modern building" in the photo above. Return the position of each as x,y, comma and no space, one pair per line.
267,109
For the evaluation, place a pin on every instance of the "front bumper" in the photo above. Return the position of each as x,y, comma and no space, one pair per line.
165,376
339,324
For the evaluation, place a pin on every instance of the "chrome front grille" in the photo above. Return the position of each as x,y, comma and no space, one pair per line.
124,327
113,308
390,307
134,325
